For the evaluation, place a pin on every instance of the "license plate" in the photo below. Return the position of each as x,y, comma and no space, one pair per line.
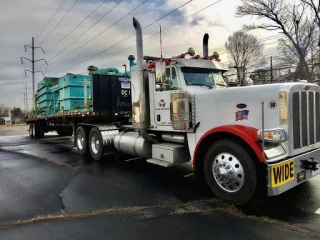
282,173
316,172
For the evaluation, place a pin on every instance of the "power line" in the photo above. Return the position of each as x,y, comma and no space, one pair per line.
99,33
74,29
260,40
48,22
210,5
86,30
59,22
77,26
33,65
128,36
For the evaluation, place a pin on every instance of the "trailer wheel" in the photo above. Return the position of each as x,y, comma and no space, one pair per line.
230,172
95,144
41,130
37,130
81,141
31,134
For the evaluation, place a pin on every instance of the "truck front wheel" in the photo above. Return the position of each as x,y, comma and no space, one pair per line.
230,172
81,141
95,144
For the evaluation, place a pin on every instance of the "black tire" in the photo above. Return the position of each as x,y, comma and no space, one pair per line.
81,141
37,130
230,156
31,128
95,144
41,131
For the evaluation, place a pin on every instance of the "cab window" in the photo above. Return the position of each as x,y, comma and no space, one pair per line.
175,83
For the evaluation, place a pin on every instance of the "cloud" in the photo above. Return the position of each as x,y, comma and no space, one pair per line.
20,20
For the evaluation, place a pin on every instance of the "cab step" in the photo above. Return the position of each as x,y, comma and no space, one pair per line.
159,162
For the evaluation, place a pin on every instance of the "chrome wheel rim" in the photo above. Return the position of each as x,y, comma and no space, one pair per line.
228,172
80,140
95,144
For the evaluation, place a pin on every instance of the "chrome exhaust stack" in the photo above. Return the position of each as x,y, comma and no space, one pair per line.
205,49
144,108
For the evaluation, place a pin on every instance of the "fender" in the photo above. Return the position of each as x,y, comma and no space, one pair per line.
247,134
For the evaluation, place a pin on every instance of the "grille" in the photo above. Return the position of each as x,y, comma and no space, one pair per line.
306,119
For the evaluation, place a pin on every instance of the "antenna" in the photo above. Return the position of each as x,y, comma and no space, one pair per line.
161,42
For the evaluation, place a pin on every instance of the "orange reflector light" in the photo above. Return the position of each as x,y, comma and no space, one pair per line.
196,57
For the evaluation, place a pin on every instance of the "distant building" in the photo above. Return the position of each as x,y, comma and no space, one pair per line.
7,120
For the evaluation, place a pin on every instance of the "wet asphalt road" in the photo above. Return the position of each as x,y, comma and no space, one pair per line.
47,176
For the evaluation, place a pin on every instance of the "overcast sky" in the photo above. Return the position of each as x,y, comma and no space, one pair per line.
20,20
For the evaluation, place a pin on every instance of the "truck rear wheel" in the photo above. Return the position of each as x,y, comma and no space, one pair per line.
95,144
37,130
230,172
81,141
31,128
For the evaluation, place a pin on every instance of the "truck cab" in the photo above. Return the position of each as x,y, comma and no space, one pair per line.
240,140
180,74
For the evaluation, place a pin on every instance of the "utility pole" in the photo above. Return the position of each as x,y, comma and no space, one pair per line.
271,70
25,93
33,72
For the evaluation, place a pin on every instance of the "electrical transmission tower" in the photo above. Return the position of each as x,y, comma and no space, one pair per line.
25,94
33,72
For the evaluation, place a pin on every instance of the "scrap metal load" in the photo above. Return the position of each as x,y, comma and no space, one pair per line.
102,91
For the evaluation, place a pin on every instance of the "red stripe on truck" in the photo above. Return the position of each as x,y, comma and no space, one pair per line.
247,134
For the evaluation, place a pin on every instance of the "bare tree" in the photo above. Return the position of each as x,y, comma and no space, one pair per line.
4,111
316,11
245,51
290,56
290,19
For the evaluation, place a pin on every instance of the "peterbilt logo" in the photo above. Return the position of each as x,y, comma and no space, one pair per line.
241,105
162,103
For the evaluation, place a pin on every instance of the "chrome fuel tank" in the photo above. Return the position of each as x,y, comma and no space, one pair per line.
132,143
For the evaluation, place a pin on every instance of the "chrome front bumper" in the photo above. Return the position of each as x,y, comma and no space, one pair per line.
290,173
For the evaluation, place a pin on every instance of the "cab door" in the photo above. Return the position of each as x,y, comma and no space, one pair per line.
162,98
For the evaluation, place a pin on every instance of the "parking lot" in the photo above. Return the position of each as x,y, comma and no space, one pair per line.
48,191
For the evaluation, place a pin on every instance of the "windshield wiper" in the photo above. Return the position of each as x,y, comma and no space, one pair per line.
200,84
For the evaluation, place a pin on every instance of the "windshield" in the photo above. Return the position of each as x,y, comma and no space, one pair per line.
203,77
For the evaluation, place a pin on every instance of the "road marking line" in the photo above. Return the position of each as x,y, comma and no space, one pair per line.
318,211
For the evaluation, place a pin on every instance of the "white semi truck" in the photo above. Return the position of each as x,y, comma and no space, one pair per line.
240,140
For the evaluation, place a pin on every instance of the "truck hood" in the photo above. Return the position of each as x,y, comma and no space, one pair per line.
240,106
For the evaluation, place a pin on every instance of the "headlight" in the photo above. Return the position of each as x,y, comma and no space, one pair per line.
272,135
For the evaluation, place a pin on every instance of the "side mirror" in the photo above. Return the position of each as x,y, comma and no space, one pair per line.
160,87
160,72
